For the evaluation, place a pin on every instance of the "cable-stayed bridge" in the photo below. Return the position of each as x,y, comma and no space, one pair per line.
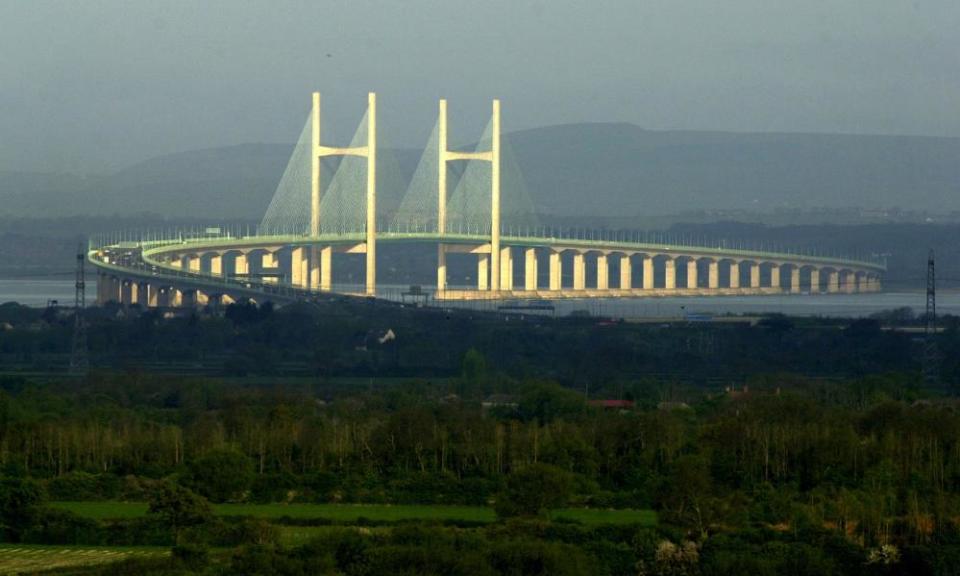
466,203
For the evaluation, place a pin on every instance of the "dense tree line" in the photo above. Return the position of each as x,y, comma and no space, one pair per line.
338,339
865,456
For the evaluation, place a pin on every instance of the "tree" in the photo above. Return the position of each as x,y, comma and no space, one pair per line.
473,374
222,475
20,506
534,490
547,401
179,508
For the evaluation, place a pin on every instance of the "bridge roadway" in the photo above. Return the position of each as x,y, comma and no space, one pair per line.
195,271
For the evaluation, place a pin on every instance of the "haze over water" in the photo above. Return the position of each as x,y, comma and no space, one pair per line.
38,292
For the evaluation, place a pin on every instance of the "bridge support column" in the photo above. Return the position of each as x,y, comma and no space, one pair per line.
124,293
298,267
530,269
603,272
626,272
754,275
848,284
314,267
174,297
692,273
713,275
734,275
556,271
506,268
193,263
579,271
483,272
670,273
116,290
152,294
814,280
647,272
132,294
775,276
795,280
106,289
833,282
326,268
176,262
441,267
241,266
216,264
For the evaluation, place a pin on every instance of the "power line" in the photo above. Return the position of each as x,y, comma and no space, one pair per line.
79,363
930,356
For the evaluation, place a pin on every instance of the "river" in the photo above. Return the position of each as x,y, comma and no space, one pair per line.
37,292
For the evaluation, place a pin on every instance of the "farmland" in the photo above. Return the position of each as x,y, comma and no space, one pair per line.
16,559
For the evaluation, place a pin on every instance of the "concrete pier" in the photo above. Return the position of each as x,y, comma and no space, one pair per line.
530,269
692,273
603,272
556,270
713,275
483,272
579,271
626,272
506,269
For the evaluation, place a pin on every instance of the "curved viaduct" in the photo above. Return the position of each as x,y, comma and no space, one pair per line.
215,266
187,272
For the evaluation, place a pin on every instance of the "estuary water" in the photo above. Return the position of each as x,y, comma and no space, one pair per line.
37,292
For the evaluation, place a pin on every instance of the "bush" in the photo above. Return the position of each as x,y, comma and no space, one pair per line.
178,508
274,487
78,485
534,490
56,526
222,475
20,506
193,557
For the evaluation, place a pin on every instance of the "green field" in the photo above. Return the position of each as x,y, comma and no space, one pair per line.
348,513
19,559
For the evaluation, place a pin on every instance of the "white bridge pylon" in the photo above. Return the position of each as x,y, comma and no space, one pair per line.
488,265
321,257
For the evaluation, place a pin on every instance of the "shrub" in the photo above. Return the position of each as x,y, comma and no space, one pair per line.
193,557
533,491
222,475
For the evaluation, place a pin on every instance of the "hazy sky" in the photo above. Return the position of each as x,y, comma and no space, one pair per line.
97,85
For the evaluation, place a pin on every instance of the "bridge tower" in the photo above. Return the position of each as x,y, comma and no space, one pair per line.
489,267
320,275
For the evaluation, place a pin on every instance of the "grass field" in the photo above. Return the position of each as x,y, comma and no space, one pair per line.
347,513
18,559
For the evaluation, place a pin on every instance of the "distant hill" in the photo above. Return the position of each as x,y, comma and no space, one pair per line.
612,170
620,169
